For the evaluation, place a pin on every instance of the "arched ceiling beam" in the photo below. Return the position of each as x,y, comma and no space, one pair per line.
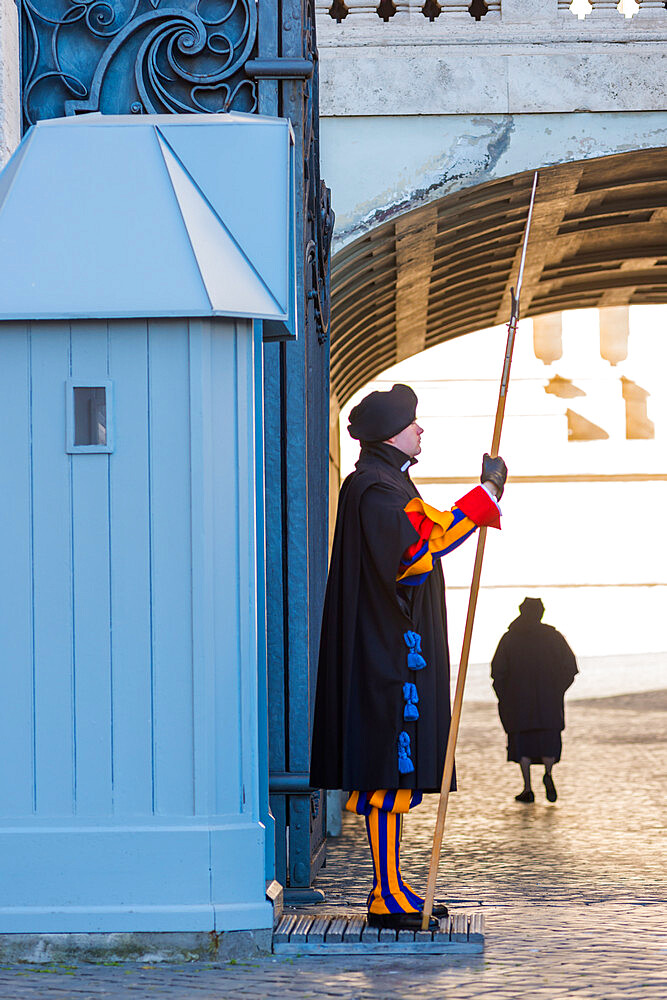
599,238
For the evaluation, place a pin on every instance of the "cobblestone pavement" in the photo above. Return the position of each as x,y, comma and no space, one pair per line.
575,893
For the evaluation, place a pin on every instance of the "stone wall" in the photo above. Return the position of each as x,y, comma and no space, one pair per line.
10,127
525,56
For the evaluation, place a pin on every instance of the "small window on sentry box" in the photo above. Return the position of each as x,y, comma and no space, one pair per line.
89,417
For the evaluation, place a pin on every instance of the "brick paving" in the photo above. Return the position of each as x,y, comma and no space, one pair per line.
574,894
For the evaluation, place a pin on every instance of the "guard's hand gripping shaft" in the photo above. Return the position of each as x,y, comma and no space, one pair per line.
494,471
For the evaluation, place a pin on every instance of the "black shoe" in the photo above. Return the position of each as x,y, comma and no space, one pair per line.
439,909
550,787
401,921
525,796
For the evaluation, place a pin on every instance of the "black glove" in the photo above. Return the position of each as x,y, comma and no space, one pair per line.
494,471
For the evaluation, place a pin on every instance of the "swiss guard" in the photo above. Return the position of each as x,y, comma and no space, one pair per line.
382,708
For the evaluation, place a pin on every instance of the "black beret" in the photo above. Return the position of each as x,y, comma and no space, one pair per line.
381,415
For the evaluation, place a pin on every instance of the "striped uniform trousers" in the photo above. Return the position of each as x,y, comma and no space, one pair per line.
383,810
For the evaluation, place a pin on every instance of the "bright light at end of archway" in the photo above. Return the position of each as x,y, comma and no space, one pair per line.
585,439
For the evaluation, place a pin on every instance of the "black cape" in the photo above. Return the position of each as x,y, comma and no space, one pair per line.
532,668
363,656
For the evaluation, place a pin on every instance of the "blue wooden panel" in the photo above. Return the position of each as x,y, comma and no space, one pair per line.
223,380
171,566
247,560
224,538
92,620
107,865
202,446
16,704
55,770
230,556
133,878
130,573
237,872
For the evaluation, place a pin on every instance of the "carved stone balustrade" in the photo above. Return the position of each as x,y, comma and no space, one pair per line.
598,9
605,8
366,9
409,10
580,8
467,12
614,8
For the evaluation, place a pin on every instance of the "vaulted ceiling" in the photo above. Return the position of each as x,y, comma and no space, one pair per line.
598,238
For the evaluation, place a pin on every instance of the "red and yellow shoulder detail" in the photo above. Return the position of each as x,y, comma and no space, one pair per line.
441,532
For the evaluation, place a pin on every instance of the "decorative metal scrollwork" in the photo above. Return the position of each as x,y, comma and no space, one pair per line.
136,56
319,221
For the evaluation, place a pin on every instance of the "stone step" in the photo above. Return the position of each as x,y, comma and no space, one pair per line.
348,933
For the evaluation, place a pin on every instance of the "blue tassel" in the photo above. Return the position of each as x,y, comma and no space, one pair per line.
410,712
405,765
413,641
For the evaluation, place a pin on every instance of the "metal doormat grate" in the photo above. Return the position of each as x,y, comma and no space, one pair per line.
349,934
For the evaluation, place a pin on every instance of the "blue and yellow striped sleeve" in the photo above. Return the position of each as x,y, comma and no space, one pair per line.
441,532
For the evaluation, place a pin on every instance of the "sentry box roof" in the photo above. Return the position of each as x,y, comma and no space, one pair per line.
163,215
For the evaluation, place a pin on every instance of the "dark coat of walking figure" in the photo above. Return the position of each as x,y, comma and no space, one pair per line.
532,669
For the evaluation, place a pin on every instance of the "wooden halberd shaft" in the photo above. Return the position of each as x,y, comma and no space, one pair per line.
448,769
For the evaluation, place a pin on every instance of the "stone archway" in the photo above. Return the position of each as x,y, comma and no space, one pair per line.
446,268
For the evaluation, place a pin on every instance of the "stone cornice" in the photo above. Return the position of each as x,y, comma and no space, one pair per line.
366,29
416,68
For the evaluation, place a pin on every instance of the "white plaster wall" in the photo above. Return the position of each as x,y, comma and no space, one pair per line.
10,112
379,166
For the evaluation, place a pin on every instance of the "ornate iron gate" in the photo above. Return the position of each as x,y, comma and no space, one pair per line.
203,56
296,384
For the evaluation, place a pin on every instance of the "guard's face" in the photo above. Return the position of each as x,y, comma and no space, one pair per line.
409,439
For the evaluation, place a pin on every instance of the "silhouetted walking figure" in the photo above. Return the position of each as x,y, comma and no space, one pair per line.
532,669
